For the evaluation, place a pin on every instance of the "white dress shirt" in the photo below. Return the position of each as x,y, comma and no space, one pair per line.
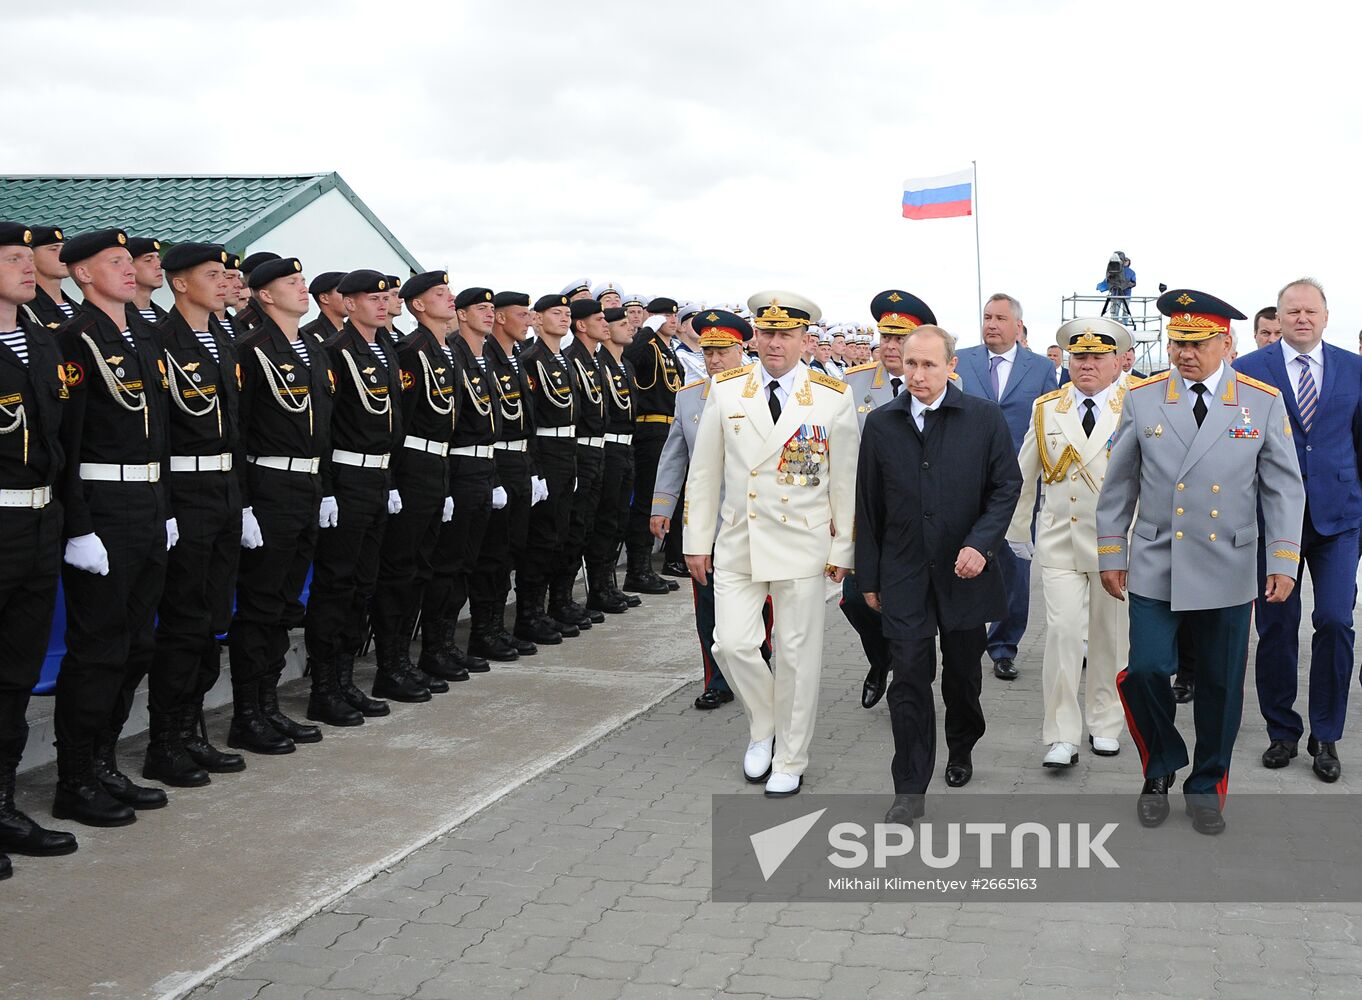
1293,368
1211,384
1099,399
919,408
1004,369
784,384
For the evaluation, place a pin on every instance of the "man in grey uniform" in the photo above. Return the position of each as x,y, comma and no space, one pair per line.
1199,451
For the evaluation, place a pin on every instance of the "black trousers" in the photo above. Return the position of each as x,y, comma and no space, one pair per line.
617,485
200,580
346,567
648,441
456,552
586,499
30,559
557,462
671,542
504,540
410,539
110,620
912,706
270,579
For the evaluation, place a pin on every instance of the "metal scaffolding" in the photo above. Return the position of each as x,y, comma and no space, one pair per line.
1141,316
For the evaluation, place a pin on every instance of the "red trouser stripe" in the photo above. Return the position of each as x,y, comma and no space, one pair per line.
704,653
1130,722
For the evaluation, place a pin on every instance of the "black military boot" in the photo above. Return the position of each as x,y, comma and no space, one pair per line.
269,710
328,702
530,622
390,681
562,608
435,661
167,760
449,625
612,582
80,795
485,634
194,736
432,683
598,595
639,576
368,708
18,833
249,729
118,784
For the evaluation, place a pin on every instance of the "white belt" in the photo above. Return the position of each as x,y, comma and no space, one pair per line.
359,459
285,464
557,432
148,473
619,438
440,448
201,463
596,442
521,445
473,451
34,499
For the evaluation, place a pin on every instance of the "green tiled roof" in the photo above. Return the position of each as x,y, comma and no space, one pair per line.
234,210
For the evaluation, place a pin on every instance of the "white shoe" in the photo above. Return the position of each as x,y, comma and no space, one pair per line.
756,763
1061,755
1104,746
782,784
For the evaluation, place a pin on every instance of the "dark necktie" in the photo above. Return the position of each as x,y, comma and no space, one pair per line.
897,385
1199,407
773,402
1307,398
1089,416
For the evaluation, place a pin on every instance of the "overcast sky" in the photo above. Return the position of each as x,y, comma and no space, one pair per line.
711,148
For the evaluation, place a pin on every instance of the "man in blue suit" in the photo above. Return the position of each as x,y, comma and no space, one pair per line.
1004,371
1320,384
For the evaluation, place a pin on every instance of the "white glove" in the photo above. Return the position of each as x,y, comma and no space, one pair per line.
394,502
539,490
172,533
448,514
87,552
498,497
251,536
329,513
1022,550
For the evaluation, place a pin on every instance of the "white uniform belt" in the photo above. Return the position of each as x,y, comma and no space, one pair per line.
596,442
285,464
440,448
201,463
34,499
619,438
360,459
521,445
557,432
473,451
105,472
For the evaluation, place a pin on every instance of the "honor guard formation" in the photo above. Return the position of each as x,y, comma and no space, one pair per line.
222,473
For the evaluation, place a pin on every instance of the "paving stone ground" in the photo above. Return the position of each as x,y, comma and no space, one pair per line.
593,881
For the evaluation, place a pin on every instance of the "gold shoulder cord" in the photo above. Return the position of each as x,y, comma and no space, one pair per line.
367,398
275,379
214,404
673,382
118,391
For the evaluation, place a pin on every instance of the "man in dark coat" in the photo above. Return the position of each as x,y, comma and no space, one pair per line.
935,488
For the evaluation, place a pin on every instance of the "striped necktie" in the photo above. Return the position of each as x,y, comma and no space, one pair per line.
1307,397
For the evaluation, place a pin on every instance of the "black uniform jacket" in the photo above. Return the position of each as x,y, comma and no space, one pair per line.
31,453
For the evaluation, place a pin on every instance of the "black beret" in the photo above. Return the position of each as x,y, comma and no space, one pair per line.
614,314
503,299
233,261
273,270
422,283
662,306
325,282
547,302
14,234
582,308
362,282
86,245
472,296
140,246
394,282
47,235
255,260
183,256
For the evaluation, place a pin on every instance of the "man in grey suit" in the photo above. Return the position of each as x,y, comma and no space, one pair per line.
1004,370
1199,450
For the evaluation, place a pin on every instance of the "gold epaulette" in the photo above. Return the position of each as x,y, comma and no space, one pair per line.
692,385
733,373
827,380
954,376
1052,394
861,368
1247,380
1151,380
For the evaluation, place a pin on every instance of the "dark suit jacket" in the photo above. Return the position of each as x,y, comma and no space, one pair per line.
919,502
1032,375
1331,454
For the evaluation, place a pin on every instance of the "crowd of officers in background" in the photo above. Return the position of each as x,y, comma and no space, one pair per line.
185,472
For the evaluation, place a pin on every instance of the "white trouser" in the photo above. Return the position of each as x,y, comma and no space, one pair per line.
780,700
1075,606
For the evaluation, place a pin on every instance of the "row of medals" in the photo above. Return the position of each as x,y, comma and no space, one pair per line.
801,463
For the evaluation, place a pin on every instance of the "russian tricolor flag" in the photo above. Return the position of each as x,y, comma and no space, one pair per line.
944,197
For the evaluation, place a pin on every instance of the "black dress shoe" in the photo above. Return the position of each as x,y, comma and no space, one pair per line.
1152,807
1005,669
20,835
1185,691
1206,819
958,772
905,809
675,568
1279,753
1326,763
710,698
876,681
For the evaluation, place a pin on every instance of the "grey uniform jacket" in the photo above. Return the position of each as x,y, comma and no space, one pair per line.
870,388
1198,492
680,444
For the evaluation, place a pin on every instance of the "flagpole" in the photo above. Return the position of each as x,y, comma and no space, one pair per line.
978,269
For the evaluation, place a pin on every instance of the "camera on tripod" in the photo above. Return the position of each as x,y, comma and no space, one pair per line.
1117,281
